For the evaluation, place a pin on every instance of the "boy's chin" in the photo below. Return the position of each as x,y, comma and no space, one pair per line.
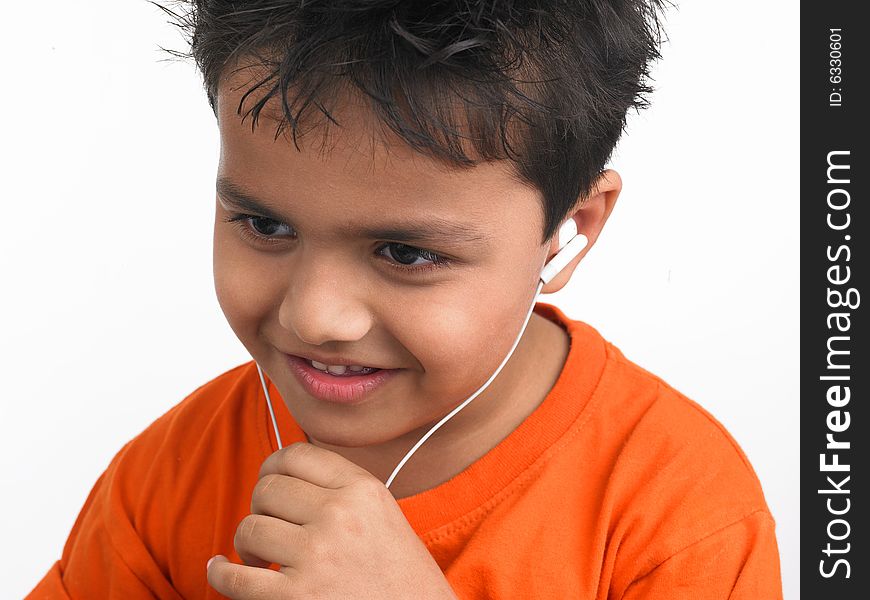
360,437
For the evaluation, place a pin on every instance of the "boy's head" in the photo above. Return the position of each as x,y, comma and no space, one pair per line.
545,85
419,159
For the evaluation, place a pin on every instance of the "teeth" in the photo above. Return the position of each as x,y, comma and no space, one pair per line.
337,369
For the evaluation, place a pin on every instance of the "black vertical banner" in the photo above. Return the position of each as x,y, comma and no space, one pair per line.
835,342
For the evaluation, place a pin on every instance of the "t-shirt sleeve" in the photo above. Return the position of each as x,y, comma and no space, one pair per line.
50,587
738,562
103,556
691,520
169,500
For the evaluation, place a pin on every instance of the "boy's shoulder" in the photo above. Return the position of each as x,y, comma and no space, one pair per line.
207,402
663,477
640,406
221,420
674,423
670,473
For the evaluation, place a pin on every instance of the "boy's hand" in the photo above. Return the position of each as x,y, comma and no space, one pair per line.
334,530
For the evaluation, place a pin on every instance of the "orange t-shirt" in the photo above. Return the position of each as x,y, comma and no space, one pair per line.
616,486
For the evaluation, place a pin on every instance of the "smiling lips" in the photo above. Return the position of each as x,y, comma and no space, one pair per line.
344,384
342,370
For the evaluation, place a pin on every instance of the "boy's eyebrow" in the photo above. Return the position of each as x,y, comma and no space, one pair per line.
432,230
239,198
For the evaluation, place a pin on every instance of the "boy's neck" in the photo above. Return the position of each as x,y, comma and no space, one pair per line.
514,394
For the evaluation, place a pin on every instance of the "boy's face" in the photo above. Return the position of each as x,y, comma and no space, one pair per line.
321,286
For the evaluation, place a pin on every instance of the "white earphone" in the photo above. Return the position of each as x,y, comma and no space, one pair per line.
573,244
568,250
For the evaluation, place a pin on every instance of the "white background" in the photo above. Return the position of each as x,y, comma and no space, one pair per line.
108,310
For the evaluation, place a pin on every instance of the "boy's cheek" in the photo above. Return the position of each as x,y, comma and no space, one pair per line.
456,343
242,290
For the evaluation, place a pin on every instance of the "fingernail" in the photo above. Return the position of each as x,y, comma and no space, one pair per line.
208,564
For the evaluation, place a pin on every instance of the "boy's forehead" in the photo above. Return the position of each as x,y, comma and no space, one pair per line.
356,157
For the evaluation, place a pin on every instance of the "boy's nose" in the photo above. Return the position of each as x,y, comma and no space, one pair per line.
324,305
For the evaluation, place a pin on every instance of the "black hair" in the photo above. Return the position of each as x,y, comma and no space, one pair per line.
545,84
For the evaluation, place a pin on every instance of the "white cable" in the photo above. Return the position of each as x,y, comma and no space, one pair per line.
567,252
470,398
269,403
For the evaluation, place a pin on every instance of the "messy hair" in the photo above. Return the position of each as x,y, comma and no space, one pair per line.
545,84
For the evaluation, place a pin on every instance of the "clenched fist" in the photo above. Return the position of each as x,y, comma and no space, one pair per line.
335,531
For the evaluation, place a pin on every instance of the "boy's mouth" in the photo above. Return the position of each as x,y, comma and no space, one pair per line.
341,370
341,383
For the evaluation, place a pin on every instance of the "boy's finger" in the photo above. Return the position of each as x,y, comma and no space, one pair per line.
314,465
287,498
240,582
261,541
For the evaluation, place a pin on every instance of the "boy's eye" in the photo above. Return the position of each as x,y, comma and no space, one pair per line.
408,255
260,229
269,227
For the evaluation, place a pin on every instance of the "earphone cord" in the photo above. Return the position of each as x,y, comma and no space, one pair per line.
470,398
269,404
446,417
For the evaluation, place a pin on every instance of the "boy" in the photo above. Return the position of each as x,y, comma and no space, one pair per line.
377,248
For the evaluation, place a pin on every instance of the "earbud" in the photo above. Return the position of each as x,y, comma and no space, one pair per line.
571,244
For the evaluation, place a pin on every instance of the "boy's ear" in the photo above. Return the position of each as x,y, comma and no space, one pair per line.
590,215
